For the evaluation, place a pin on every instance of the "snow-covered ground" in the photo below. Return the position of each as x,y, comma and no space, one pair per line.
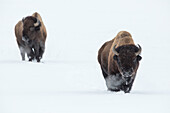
69,79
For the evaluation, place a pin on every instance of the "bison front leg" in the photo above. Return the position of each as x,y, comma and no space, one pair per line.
22,51
127,86
41,50
37,53
30,53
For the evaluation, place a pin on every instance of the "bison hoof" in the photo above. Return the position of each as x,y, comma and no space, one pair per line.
127,90
30,59
38,60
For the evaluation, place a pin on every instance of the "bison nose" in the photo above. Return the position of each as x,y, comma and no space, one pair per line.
127,74
25,39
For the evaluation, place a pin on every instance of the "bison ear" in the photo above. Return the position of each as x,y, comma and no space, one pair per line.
139,58
115,57
23,19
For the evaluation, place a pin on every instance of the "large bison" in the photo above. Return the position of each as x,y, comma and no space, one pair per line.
119,60
31,35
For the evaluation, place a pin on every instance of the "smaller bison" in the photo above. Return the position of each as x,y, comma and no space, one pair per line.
119,60
31,36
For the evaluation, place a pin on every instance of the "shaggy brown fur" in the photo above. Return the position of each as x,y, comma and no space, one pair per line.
31,37
126,48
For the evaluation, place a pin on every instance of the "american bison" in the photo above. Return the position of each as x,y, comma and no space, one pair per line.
31,35
119,60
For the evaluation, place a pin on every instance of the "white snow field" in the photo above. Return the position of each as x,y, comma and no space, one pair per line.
69,79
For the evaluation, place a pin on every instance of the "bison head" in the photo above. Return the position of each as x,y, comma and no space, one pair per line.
30,26
127,59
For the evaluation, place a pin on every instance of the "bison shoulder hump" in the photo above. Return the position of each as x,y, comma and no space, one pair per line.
125,34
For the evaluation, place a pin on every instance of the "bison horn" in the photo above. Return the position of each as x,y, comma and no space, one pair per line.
23,19
114,51
139,51
37,23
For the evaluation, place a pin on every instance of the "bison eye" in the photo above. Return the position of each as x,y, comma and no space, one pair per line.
139,58
115,57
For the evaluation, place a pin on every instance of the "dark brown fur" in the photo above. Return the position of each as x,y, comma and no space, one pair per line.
111,67
30,38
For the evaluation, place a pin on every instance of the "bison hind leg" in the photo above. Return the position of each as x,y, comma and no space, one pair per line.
22,51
